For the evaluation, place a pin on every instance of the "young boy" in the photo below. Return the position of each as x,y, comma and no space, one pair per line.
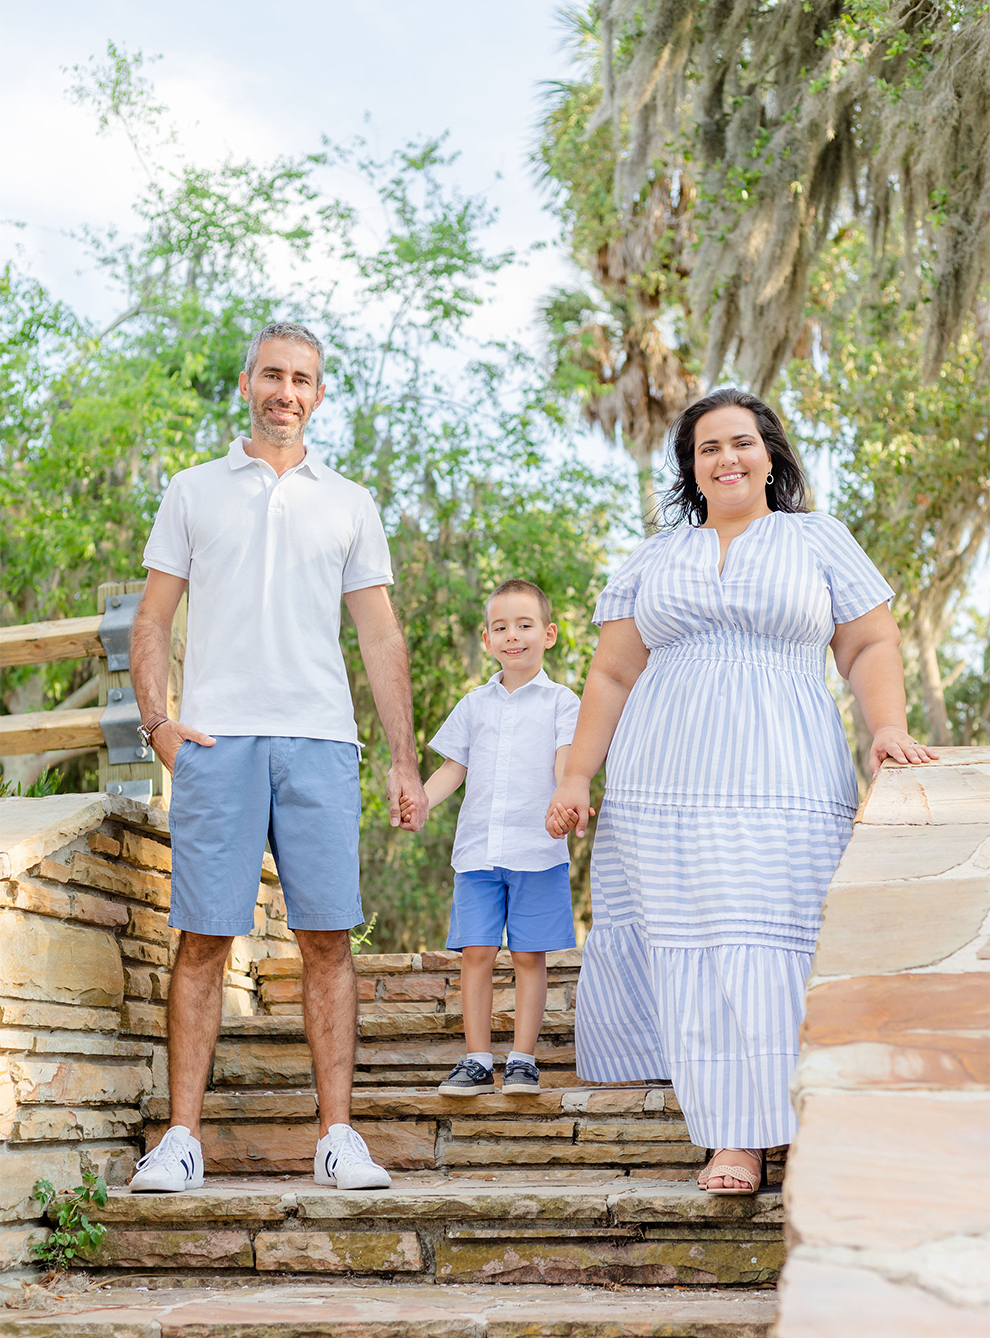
510,739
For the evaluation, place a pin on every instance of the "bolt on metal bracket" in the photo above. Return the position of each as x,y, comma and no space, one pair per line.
119,723
115,630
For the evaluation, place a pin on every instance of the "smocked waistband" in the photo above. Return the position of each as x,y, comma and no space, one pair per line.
730,644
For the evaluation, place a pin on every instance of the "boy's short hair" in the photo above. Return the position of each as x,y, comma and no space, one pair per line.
517,587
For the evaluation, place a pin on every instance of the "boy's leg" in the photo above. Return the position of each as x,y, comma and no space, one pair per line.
330,1017
531,999
538,920
477,964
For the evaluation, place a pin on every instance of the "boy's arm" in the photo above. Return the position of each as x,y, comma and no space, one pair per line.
560,761
443,783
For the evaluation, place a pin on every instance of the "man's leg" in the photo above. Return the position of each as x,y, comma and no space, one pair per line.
330,1016
195,999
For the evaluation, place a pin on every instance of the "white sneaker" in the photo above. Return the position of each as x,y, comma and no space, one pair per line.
342,1159
175,1164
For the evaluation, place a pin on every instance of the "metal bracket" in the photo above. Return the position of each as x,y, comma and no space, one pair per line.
132,789
115,630
119,723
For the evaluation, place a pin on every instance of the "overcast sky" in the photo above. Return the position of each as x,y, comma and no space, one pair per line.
256,81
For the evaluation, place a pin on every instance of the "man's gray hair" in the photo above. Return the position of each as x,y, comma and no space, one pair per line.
284,330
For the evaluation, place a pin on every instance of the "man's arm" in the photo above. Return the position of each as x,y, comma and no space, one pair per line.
383,649
150,639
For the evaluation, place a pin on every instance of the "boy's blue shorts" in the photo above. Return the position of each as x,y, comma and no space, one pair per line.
534,907
301,795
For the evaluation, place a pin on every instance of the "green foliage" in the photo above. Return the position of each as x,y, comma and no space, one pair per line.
73,1233
914,458
46,784
577,163
786,118
625,351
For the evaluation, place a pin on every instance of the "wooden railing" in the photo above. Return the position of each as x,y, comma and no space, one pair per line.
61,730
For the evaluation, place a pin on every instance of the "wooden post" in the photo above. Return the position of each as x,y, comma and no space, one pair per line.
151,769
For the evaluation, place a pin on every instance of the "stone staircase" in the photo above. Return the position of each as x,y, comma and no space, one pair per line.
571,1213
505,1212
260,1115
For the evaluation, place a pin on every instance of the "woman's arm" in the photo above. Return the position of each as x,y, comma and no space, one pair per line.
866,653
618,661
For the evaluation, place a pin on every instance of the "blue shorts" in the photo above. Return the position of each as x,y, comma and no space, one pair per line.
534,908
301,795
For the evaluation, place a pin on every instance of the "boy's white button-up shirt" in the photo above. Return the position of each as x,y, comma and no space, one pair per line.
267,559
508,741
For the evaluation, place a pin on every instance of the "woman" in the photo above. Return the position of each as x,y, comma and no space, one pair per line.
730,789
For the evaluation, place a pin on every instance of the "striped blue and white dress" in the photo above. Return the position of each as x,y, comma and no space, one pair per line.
730,793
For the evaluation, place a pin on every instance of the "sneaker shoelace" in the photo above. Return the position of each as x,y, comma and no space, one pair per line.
169,1153
520,1066
351,1147
475,1071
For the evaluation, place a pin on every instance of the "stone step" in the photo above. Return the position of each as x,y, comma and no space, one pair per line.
429,982
391,1103
272,1052
295,1310
642,1233
602,1130
385,1026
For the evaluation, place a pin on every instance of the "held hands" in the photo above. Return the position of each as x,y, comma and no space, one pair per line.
570,808
169,737
898,745
408,806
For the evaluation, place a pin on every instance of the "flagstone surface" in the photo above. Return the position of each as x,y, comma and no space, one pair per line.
409,1311
887,1194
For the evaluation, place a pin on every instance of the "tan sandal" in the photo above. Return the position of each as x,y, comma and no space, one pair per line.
716,1167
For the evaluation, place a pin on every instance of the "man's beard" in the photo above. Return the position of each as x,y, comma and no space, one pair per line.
277,434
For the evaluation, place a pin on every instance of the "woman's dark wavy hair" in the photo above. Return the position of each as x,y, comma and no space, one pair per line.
683,501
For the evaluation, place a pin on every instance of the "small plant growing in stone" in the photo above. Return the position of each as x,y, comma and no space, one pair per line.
361,940
74,1232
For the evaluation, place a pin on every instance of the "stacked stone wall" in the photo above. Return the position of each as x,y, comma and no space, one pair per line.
888,1182
85,960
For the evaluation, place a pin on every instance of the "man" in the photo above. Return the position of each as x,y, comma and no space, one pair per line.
268,539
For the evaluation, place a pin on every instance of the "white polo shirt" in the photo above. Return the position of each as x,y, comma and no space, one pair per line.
508,741
267,560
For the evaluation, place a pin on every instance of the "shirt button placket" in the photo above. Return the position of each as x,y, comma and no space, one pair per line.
500,794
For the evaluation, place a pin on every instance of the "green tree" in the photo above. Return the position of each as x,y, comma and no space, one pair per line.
625,348
788,117
914,458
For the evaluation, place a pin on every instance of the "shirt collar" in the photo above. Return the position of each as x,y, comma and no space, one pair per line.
237,458
538,680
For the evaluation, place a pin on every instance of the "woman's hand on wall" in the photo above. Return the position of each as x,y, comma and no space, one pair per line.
897,744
